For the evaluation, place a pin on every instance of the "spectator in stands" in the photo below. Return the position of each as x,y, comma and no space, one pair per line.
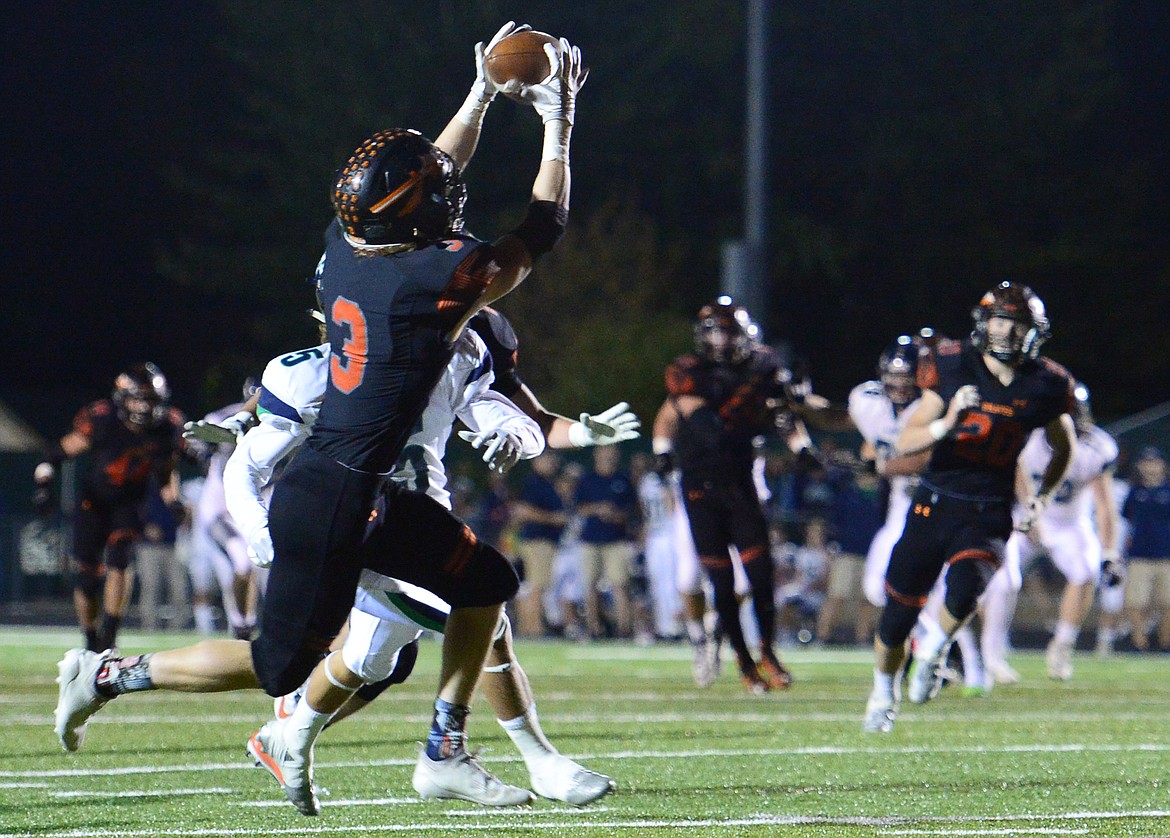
1147,587
541,517
607,504
856,516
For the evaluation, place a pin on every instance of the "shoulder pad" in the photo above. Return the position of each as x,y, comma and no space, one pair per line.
495,330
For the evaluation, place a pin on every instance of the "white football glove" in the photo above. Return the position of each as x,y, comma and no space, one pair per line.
556,96
215,433
502,449
483,89
1032,512
260,549
611,426
965,398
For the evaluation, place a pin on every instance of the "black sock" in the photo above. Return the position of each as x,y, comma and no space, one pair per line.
92,642
108,635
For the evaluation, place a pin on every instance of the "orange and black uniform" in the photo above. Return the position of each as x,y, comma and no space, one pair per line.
960,516
114,489
333,514
713,448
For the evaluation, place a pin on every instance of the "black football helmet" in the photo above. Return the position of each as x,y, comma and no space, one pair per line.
897,368
399,188
725,332
1018,303
141,394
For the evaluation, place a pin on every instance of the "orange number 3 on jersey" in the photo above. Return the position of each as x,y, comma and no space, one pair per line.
347,372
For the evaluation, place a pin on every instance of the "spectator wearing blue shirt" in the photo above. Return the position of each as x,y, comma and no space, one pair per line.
541,516
1147,586
856,518
606,502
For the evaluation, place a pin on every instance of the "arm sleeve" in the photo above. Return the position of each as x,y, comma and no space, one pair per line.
250,468
489,409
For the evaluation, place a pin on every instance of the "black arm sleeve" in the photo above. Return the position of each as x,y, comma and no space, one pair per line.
543,227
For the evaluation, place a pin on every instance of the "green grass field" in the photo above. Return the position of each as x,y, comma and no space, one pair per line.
1090,757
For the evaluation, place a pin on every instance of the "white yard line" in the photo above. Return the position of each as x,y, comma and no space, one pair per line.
581,823
825,750
106,795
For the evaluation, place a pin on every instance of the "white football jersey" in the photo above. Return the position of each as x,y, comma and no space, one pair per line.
1095,452
656,498
873,413
293,387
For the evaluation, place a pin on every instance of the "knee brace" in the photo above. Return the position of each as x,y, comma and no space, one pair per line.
967,577
897,620
403,666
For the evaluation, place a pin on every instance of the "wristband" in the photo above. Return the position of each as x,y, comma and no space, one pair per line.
556,140
471,112
938,429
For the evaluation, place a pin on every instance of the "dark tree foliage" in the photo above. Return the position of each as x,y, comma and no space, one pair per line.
920,152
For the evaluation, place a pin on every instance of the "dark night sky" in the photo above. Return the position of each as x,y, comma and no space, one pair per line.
77,271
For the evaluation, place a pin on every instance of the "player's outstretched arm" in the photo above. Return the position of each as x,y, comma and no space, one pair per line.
555,100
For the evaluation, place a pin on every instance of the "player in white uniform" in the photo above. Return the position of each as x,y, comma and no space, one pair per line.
1066,532
879,409
656,495
388,614
218,548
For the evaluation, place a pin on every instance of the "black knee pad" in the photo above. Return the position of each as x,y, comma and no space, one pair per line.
489,579
282,667
966,581
90,581
120,553
896,622
407,656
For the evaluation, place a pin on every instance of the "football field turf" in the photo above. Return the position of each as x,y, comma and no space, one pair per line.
1090,757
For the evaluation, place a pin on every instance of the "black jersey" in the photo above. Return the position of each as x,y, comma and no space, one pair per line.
715,441
978,460
387,318
503,345
125,459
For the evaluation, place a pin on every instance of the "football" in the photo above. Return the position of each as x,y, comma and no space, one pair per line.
520,58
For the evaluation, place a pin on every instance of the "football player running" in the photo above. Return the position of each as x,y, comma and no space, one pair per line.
398,291
719,399
980,400
133,438
880,409
219,549
1085,554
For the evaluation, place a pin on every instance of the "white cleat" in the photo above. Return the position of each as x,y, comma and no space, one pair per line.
292,768
283,706
559,778
1058,657
1003,674
77,697
880,712
460,777
926,676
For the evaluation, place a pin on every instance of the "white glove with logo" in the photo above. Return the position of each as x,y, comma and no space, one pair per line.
228,431
483,89
611,426
556,96
502,447
260,549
